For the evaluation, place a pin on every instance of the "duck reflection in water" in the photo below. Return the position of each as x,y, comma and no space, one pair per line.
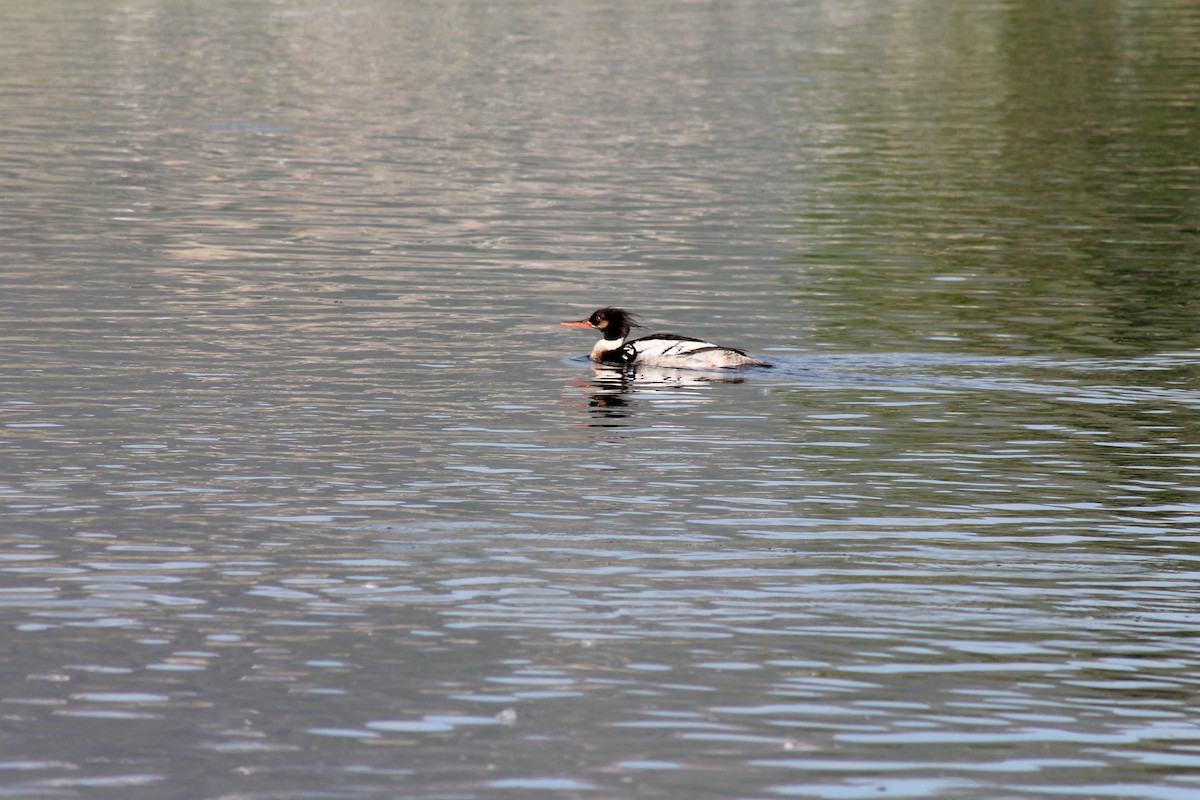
614,393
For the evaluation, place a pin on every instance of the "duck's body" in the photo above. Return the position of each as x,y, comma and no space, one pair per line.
657,349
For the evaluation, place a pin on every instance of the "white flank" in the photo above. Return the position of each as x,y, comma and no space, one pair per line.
687,354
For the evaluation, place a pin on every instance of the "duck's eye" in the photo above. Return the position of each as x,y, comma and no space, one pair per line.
600,322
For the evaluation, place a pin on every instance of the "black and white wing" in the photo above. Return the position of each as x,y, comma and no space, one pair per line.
682,352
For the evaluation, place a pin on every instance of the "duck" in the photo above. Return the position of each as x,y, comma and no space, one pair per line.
667,350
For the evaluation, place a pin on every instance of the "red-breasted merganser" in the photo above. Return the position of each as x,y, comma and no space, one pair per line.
657,349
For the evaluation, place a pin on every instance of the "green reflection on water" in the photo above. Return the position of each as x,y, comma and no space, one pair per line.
1021,177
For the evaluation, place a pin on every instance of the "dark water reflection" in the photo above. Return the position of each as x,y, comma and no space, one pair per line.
305,494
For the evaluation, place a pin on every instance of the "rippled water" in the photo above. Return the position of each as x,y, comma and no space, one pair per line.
305,494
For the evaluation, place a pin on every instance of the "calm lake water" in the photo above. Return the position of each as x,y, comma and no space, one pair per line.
305,494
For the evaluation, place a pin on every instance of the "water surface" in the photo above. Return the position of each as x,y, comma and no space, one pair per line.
305,493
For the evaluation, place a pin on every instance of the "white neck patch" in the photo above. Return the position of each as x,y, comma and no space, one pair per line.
606,345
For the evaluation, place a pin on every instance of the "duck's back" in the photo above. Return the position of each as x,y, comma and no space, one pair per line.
683,352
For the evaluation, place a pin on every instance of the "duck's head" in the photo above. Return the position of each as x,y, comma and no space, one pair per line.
613,323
